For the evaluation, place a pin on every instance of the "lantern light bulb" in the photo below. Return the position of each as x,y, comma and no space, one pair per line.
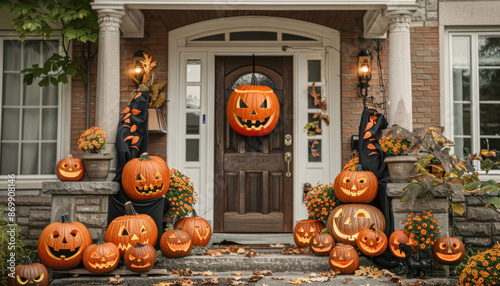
138,70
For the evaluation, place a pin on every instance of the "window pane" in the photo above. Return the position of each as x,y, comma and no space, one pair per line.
192,123
193,95
192,150
217,37
10,124
193,71
9,158
461,58
11,57
313,70
262,79
490,143
292,37
314,150
31,94
49,124
489,50
489,119
461,84
11,89
31,53
310,99
312,120
29,158
49,48
461,115
253,36
463,147
49,95
48,163
31,119
489,84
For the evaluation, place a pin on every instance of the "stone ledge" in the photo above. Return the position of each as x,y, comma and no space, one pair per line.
81,188
395,190
28,201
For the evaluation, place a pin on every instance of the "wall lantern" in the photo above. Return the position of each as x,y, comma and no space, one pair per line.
157,123
364,71
137,71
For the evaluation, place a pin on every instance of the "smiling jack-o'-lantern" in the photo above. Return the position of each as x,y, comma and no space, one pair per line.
101,257
322,243
70,169
125,231
448,250
140,258
61,244
400,237
345,221
30,273
145,178
305,229
344,258
356,186
371,241
253,110
198,228
175,242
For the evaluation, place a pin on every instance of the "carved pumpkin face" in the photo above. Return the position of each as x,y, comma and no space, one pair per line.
145,178
399,237
30,274
321,244
345,221
197,227
356,187
140,258
125,231
61,245
70,169
253,110
448,250
371,242
176,243
344,258
101,257
304,230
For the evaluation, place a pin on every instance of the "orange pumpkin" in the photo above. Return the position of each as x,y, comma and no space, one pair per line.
175,242
101,257
70,169
371,241
145,178
198,228
253,110
322,243
29,273
140,258
305,229
448,250
399,237
344,258
356,186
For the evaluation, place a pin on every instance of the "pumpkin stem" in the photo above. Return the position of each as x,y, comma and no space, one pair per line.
27,260
372,227
446,235
169,227
99,238
65,218
194,213
70,156
144,157
324,230
358,168
129,209
137,245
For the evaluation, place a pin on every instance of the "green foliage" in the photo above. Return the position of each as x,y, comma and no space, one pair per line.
482,268
74,19
469,252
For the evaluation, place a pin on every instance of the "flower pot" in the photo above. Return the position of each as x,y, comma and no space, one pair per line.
97,165
400,168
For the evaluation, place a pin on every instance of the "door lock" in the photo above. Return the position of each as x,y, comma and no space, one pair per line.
288,160
288,140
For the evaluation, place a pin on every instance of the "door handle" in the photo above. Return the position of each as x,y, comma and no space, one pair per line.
288,159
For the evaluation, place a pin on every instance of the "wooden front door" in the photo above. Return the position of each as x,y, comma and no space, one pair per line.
252,190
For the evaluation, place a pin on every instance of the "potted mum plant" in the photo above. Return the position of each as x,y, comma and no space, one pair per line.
399,160
320,202
92,142
181,194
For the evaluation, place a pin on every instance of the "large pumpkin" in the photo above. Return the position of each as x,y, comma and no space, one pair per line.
145,178
371,242
175,242
101,257
70,169
448,250
345,221
400,237
344,258
322,243
29,273
61,244
305,229
356,186
198,228
125,231
140,258
253,110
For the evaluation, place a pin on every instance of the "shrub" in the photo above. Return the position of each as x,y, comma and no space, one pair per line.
422,228
483,268
320,201
181,194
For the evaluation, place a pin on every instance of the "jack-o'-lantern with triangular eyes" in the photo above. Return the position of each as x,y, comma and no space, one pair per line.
344,258
371,242
140,258
125,231
101,257
322,243
253,110
400,237
175,242
356,186
29,273
61,244
198,228
305,229
448,250
70,169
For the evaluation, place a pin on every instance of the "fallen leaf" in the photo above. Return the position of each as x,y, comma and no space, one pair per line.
255,278
240,250
251,253
331,273
213,281
116,280
207,273
236,282
320,279
263,272
295,281
347,281
213,253
277,245
237,272
277,278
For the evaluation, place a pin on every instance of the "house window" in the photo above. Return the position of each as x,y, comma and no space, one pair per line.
29,114
193,111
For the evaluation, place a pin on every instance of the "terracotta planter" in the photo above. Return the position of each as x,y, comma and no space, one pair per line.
400,168
97,165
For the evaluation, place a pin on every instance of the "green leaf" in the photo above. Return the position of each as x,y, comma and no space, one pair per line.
494,201
54,81
44,82
28,78
473,185
62,78
458,208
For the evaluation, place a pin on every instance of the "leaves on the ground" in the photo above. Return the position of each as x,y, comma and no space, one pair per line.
262,272
277,278
116,280
347,280
277,245
213,253
331,273
295,281
212,281
237,272
369,271
240,250
251,253
255,278
295,250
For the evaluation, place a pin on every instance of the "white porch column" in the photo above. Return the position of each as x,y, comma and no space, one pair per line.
108,77
400,98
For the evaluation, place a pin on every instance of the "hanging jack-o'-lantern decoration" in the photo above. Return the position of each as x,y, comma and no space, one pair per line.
198,228
356,186
175,242
345,221
125,231
400,237
371,242
101,257
140,258
30,273
253,110
70,169
448,250
322,243
305,229
61,244
344,258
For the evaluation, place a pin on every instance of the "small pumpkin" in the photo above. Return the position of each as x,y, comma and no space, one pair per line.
140,258
371,242
198,228
101,257
400,237
61,244
344,258
70,169
175,242
253,110
448,250
356,186
322,243
125,231
146,177
305,229
30,273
